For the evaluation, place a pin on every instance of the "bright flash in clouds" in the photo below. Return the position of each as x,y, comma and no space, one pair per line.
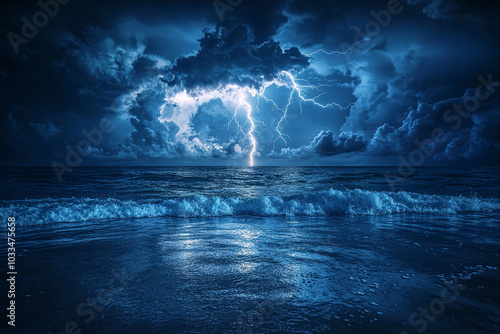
181,106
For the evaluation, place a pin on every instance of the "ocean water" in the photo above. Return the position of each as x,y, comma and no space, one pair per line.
254,250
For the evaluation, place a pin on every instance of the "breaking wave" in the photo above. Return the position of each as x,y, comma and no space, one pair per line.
323,203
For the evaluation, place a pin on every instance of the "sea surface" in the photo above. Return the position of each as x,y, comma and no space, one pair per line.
253,250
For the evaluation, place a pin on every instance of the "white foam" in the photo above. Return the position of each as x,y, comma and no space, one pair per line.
325,203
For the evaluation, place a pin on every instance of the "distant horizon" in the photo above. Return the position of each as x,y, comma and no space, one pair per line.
263,166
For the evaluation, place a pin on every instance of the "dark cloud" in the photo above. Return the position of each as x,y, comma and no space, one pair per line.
325,144
457,129
264,17
232,148
333,21
231,55
484,11
46,130
124,60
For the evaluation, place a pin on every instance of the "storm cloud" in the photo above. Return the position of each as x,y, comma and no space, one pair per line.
230,55
172,76
325,144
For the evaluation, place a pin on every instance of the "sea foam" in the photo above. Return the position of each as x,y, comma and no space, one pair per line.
323,203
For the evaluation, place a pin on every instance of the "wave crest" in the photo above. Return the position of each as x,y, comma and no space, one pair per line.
324,203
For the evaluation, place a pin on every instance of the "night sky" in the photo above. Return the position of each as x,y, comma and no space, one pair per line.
283,82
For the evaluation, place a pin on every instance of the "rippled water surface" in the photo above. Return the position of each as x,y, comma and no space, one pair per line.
264,250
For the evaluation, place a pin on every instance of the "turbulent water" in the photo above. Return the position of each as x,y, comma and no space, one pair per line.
96,193
256,250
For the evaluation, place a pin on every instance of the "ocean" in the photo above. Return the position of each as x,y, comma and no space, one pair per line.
253,250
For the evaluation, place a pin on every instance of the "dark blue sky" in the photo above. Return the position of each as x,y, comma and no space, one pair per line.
209,83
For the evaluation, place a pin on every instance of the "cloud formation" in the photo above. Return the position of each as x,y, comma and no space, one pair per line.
230,55
170,75
463,128
325,144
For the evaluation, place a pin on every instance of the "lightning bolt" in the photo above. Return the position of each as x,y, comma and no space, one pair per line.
284,111
300,92
297,88
249,120
339,53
